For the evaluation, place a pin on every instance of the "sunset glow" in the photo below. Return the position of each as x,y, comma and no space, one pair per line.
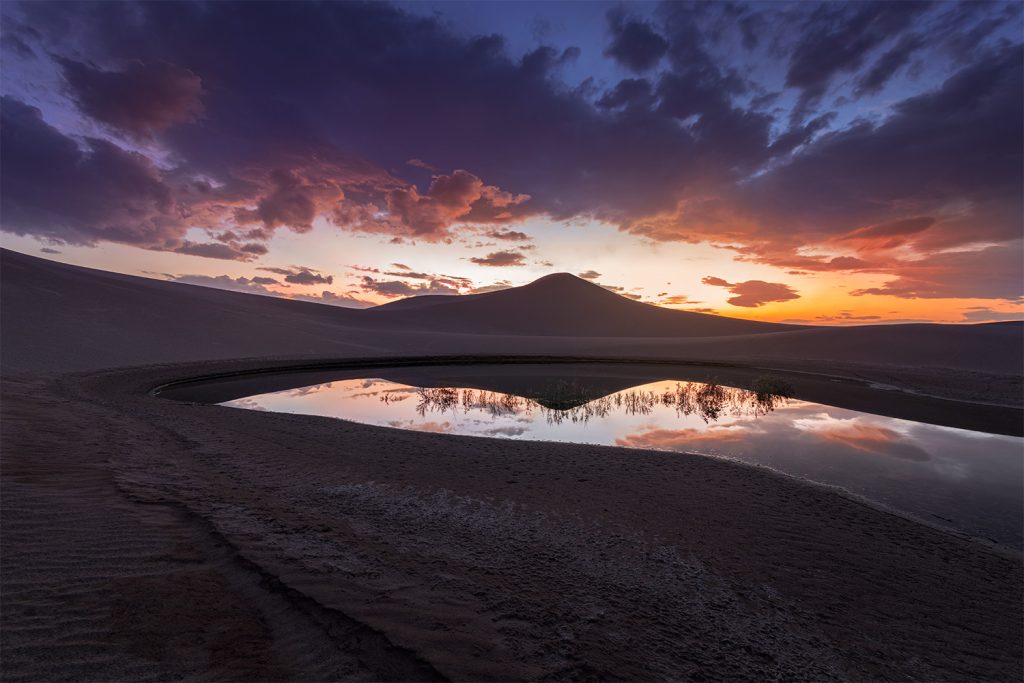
703,159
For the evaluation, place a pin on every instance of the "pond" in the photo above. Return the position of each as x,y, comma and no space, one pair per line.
968,480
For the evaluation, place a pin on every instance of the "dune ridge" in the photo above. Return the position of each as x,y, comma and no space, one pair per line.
121,319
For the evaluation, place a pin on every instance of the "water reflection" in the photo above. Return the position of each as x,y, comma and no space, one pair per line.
569,402
969,480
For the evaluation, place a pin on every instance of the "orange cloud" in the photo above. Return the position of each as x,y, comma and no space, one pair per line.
459,197
867,437
680,439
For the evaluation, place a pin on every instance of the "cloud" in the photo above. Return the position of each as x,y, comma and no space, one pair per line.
629,92
995,272
141,100
236,284
496,287
219,250
690,148
501,259
55,189
836,38
589,275
305,277
677,300
893,230
754,293
981,314
635,44
508,235
256,285
871,174
48,250
294,199
459,197
300,275
392,289
888,65
333,299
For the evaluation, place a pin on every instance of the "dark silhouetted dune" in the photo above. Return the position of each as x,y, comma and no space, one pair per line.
114,319
561,305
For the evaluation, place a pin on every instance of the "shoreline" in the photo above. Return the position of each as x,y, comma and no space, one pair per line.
468,361
862,395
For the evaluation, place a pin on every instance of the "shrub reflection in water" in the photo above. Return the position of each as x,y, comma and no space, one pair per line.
570,402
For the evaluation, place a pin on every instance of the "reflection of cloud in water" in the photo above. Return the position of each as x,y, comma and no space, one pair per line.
861,435
681,439
505,431
436,427
306,391
247,403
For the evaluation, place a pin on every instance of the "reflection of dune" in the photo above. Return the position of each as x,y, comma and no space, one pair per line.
681,439
863,437
709,401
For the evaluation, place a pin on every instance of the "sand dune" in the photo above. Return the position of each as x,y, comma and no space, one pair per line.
122,320
560,305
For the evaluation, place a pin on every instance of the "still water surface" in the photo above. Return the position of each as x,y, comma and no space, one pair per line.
971,481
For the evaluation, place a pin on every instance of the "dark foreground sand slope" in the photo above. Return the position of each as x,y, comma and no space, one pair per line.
149,540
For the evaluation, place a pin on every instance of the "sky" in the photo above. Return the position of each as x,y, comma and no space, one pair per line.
831,163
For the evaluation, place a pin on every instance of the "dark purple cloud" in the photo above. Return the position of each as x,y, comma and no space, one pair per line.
960,143
500,259
396,288
508,235
635,44
256,285
837,37
57,189
234,284
889,64
143,99
299,275
219,250
981,314
629,92
305,277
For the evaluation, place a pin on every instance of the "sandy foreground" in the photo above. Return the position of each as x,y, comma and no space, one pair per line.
144,539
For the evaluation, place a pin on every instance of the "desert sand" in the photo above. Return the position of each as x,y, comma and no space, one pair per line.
147,539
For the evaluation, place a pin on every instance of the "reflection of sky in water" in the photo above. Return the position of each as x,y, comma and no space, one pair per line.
970,480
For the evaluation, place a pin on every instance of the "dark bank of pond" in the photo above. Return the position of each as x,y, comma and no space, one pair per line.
969,480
